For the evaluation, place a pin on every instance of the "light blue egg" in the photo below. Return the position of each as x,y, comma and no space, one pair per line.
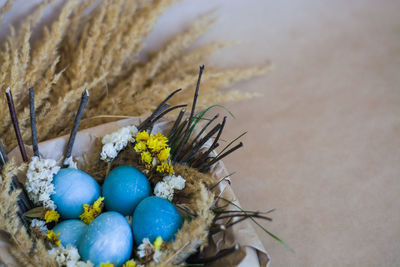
71,231
153,217
107,239
73,189
124,187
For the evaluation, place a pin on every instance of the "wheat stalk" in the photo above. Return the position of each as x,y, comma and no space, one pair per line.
98,50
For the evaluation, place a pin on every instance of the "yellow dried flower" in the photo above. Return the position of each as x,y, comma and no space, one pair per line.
158,242
90,212
156,143
142,136
146,157
165,168
140,146
161,137
53,237
107,264
51,216
164,154
130,263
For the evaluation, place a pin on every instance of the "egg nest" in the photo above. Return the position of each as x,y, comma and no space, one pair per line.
196,199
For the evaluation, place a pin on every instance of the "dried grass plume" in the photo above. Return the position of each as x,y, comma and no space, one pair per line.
95,44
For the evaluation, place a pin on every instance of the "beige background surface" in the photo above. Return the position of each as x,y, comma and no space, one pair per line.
324,139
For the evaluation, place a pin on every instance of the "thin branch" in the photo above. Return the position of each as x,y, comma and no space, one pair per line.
196,94
161,107
259,225
219,134
176,124
190,155
254,215
201,142
166,99
14,119
33,122
84,100
222,211
175,137
222,179
221,254
231,142
224,227
204,128
215,144
209,164
147,122
187,132
162,114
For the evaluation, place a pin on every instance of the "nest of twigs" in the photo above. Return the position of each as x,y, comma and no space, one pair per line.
192,156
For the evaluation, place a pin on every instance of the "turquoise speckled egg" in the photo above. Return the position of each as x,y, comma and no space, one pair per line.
153,217
71,231
124,187
73,189
107,239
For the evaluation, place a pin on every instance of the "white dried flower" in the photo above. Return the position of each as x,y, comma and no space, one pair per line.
39,181
70,163
145,249
84,264
69,256
65,256
39,226
157,255
113,143
166,188
163,190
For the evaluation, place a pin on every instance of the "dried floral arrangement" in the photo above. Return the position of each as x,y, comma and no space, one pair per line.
38,214
96,44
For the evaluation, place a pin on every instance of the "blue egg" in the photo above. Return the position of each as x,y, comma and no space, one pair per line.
71,231
73,189
123,188
107,239
153,217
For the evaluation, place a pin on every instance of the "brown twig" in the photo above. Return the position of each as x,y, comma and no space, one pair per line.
209,164
215,143
204,128
84,100
176,124
160,108
221,254
202,141
187,132
175,137
166,99
14,119
146,123
247,214
202,157
162,114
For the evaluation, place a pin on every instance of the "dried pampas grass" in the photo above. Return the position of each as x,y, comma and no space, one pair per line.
95,44
28,251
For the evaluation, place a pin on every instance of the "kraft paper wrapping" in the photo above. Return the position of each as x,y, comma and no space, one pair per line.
251,253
